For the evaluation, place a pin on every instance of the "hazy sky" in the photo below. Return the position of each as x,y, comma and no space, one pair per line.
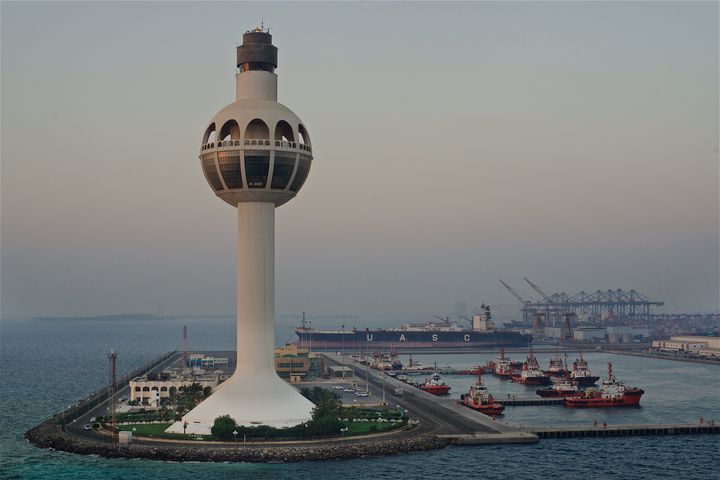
455,144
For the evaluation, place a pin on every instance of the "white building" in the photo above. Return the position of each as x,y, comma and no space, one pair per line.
691,344
150,392
586,334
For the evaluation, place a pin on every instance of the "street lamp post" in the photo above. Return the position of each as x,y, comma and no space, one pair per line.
342,353
383,377
235,434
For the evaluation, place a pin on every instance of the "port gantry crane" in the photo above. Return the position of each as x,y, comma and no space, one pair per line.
527,310
566,332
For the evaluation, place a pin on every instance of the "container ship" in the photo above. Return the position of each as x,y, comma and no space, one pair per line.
444,334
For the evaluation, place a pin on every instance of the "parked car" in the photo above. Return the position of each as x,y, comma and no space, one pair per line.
87,426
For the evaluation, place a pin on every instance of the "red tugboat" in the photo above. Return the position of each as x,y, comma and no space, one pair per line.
478,398
435,385
562,388
611,394
557,367
582,374
531,373
503,365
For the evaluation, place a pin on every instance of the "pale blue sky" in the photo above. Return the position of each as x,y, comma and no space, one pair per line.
455,144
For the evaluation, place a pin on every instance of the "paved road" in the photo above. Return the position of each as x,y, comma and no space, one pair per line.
76,427
437,415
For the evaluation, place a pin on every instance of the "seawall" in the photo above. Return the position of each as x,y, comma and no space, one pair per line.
50,434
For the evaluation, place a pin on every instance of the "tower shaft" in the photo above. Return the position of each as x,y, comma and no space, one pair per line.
255,288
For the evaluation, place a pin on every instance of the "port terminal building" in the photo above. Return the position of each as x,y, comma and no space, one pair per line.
295,364
691,344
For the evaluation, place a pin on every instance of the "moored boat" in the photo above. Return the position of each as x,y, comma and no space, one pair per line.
478,398
531,373
557,367
414,366
435,385
503,365
562,388
610,394
582,374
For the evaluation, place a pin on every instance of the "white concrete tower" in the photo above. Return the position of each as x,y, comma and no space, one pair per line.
255,155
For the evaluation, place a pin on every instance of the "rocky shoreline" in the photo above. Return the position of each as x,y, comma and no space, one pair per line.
49,435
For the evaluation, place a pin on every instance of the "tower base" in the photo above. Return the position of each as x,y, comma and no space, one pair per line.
252,400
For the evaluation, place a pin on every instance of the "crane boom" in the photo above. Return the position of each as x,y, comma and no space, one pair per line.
537,289
514,293
466,319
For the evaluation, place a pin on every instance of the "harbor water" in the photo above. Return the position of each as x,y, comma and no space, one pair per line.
46,365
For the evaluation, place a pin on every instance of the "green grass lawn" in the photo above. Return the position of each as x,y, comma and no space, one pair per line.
157,430
364,428
146,429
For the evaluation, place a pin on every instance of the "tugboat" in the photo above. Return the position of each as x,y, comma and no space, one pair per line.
385,361
611,394
414,366
562,388
531,373
435,385
557,367
478,398
395,363
582,374
503,365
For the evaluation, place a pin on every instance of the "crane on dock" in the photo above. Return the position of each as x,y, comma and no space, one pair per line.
566,332
526,303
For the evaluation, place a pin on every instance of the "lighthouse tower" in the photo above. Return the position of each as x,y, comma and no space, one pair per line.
256,155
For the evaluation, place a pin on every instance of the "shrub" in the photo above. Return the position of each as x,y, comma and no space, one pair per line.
223,427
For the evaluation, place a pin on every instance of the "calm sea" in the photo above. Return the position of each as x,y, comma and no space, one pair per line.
45,365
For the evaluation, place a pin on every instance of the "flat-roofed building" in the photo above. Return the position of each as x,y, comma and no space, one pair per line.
151,392
712,342
585,334
296,364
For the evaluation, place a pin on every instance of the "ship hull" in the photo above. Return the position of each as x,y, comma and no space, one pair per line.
531,380
370,340
552,393
436,390
586,381
487,409
629,399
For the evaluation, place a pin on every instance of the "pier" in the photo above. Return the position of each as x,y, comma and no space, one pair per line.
439,416
602,430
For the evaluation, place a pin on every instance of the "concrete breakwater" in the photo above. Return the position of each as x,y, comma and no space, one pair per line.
49,434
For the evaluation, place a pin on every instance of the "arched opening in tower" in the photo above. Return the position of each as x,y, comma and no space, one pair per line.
304,137
209,136
257,129
230,131
283,131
